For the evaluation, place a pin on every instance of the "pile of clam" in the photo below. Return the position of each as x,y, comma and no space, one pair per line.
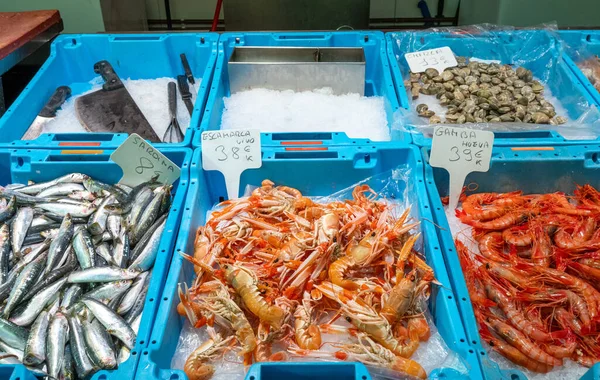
478,92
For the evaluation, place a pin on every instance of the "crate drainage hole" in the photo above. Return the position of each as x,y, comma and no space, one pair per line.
514,377
595,158
252,377
174,377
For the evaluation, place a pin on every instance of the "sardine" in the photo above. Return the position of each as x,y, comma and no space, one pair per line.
123,355
132,294
97,222
52,277
84,249
24,281
4,252
19,354
60,189
58,335
67,371
71,295
24,316
113,225
114,324
147,218
13,335
147,256
78,210
109,291
22,199
39,228
99,345
141,201
141,245
83,195
38,187
104,251
102,274
83,365
35,348
19,227
122,250
97,186
135,324
138,306
59,245
9,211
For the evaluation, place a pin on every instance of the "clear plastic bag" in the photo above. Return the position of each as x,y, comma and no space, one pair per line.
537,49
584,50
395,189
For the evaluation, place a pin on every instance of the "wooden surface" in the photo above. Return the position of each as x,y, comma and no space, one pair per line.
18,28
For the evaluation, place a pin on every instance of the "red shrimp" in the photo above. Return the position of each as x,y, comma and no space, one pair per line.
519,236
542,247
507,220
490,246
486,206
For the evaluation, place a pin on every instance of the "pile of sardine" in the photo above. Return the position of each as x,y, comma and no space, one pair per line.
76,257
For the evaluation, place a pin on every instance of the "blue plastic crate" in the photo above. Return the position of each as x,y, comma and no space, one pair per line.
581,44
309,370
313,173
15,372
133,56
510,169
378,80
20,166
563,84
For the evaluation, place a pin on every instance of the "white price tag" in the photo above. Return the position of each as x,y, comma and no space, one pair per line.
439,59
460,151
141,161
231,152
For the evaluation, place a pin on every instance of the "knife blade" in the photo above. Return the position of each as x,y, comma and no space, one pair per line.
48,112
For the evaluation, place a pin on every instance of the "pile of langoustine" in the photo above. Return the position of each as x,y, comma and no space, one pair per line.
277,270
534,284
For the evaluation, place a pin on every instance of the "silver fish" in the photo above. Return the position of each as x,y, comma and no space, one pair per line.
138,305
26,278
19,227
13,335
114,324
22,199
25,316
58,335
59,245
109,291
102,274
145,260
141,245
122,249
104,251
67,371
78,210
123,355
99,345
70,296
132,294
38,187
135,324
97,222
35,348
9,211
97,186
4,252
83,365
84,249
147,217
113,225
106,236
140,203
60,189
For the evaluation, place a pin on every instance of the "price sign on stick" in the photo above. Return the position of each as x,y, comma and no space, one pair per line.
141,161
439,59
231,152
460,151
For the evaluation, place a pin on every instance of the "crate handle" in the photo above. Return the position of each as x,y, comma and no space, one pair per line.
84,139
78,156
301,138
300,36
305,154
137,38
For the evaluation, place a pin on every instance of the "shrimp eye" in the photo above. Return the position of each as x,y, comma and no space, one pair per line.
335,239
276,260
373,234
487,266
412,278
349,319
491,343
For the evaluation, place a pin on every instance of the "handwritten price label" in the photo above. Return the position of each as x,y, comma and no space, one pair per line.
231,152
460,151
439,59
141,161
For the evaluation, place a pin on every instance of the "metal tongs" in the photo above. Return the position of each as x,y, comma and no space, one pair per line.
173,133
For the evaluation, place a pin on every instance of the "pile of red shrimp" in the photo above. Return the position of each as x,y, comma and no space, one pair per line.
534,283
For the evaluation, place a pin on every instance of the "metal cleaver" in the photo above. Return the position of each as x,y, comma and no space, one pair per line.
112,109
